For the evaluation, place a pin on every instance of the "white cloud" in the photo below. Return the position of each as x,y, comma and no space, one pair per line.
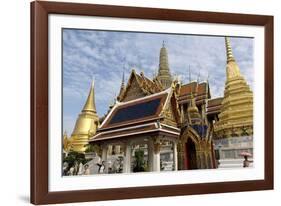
105,54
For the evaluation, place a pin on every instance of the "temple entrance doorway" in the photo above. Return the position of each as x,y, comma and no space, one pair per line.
191,161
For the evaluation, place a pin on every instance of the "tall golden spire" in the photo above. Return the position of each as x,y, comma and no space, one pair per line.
86,123
237,106
90,103
232,69
229,53
164,75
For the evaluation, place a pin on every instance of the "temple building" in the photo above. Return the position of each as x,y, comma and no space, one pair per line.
162,124
162,117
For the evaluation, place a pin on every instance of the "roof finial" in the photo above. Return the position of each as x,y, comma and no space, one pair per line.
93,81
163,43
198,77
192,99
65,134
229,53
122,87
189,73
123,78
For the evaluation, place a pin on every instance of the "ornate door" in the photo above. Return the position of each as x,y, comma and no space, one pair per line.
191,155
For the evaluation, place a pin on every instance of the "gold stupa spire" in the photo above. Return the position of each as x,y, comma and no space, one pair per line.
229,53
232,69
237,106
90,103
86,123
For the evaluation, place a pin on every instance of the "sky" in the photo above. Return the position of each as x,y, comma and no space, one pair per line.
104,55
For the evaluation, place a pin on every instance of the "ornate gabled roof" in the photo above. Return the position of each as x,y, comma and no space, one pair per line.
146,85
149,85
200,92
135,111
132,116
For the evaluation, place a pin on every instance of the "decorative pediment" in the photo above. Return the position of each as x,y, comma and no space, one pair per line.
133,91
171,111
139,86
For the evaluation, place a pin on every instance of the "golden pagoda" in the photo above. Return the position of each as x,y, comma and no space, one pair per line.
164,75
86,124
194,116
67,143
236,116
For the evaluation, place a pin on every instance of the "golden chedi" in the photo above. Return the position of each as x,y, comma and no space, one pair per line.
193,112
236,116
164,75
67,144
86,124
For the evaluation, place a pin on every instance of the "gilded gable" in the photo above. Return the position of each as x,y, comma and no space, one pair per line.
133,91
169,115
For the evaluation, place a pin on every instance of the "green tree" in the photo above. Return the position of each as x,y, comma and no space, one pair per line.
75,156
94,148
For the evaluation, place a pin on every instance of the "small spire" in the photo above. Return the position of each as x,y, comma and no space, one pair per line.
155,73
90,102
208,77
192,103
122,87
123,78
229,53
194,116
93,82
112,102
182,114
198,77
65,134
189,73
163,43
207,85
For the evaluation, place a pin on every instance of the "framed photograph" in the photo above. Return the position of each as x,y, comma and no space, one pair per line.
131,102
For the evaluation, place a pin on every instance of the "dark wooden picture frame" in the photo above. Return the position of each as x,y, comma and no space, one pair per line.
39,102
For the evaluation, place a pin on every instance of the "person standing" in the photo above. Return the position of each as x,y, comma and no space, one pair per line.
86,169
81,169
246,162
